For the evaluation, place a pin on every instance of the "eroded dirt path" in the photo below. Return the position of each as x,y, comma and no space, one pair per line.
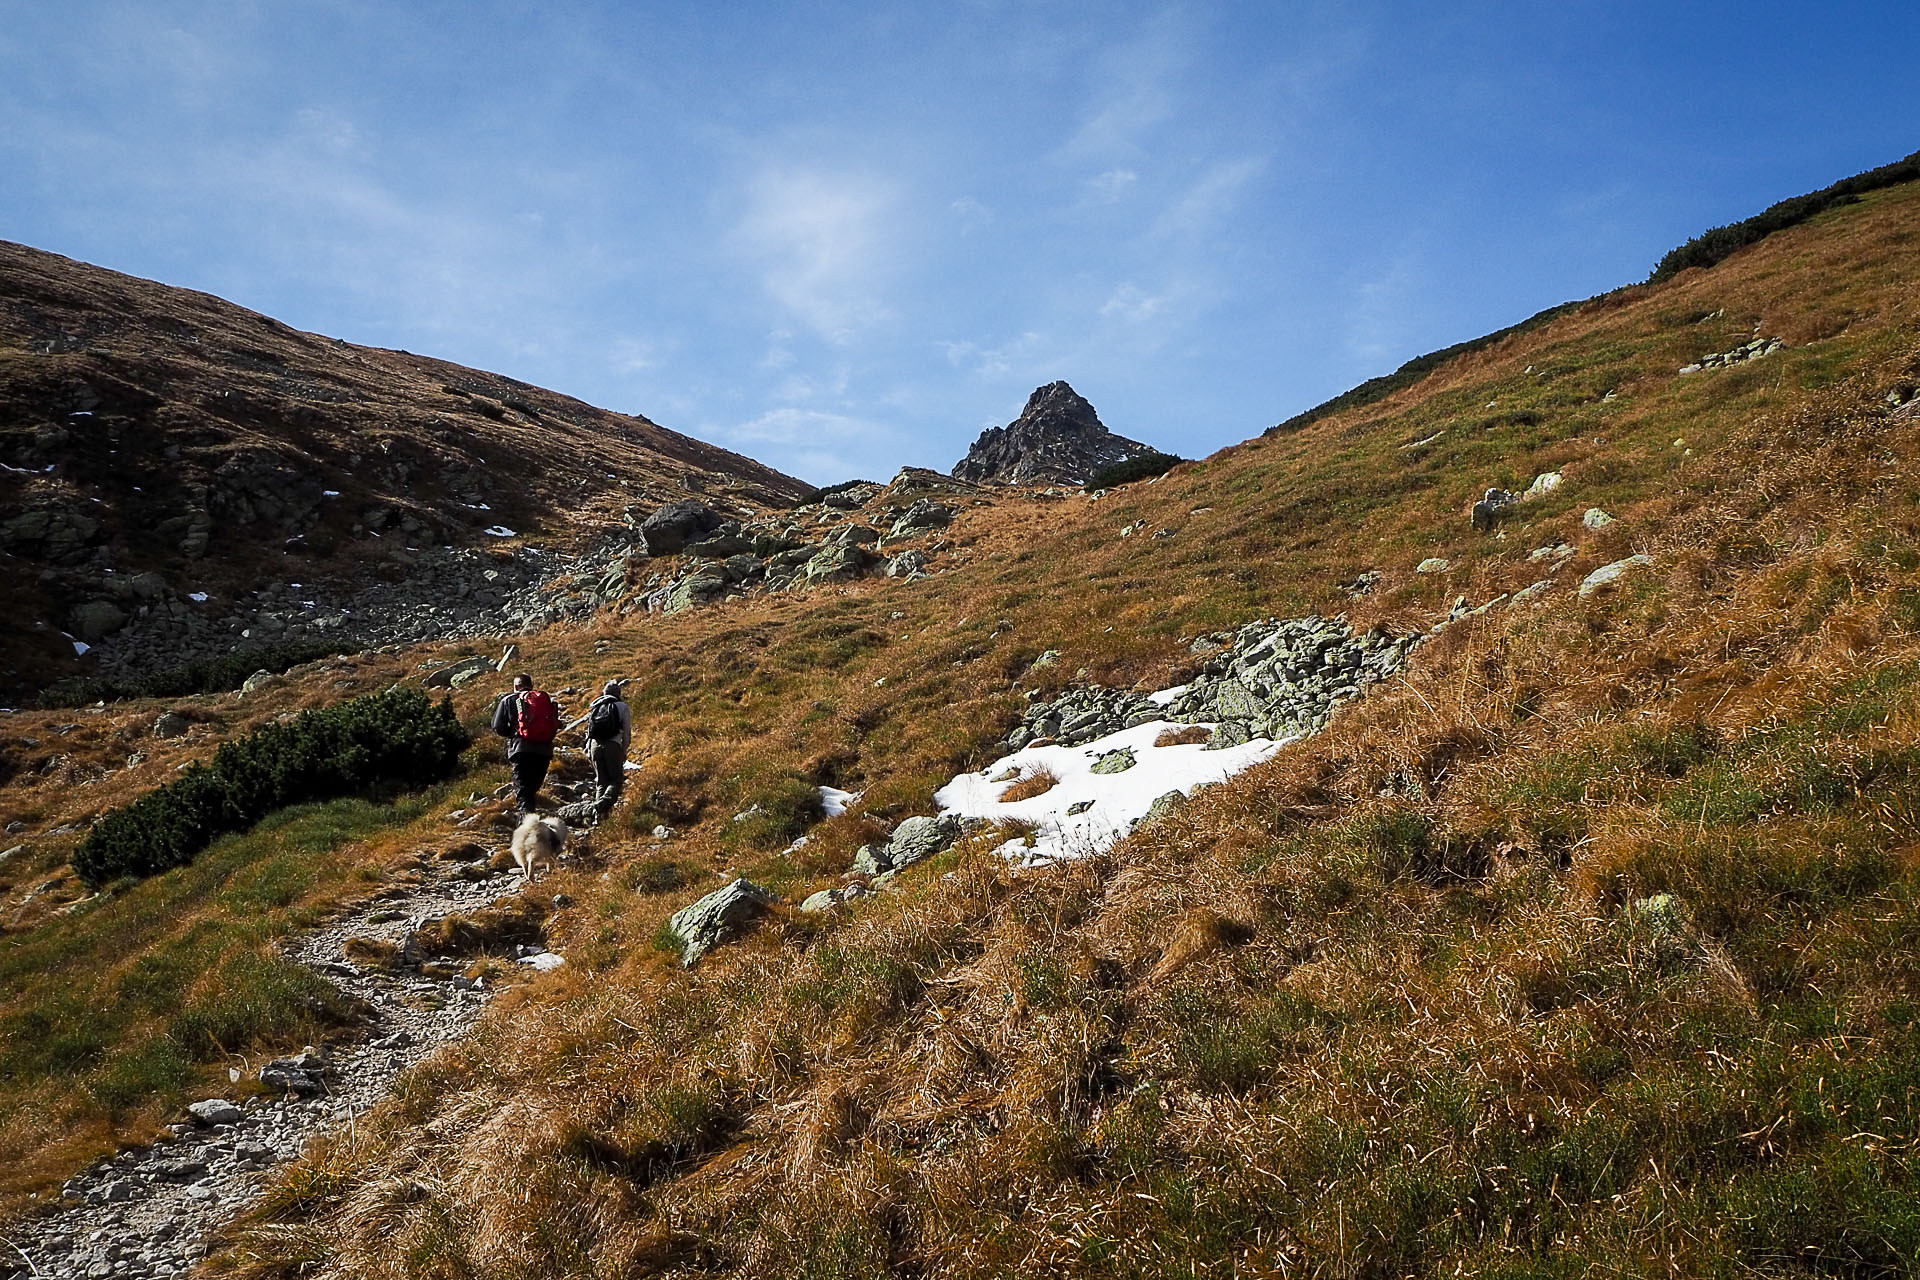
151,1213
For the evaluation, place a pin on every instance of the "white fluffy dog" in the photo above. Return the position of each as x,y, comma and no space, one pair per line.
536,838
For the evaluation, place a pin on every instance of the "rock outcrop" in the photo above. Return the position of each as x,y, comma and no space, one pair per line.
1057,439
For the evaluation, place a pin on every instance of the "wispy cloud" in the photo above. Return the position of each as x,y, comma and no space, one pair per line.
1133,304
971,214
1113,184
811,443
824,245
1208,198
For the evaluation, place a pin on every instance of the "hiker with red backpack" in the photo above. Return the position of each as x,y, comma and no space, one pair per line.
528,719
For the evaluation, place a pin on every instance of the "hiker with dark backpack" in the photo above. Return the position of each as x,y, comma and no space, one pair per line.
528,719
609,734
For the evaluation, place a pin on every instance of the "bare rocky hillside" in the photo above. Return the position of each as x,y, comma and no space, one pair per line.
166,457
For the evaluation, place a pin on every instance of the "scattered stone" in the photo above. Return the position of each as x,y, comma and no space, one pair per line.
716,918
257,681
457,673
1114,762
171,724
215,1112
918,839
507,656
1433,564
1595,518
1487,511
1607,575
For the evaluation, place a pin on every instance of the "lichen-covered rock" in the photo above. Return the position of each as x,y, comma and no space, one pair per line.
1606,575
918,839
171,724
716,918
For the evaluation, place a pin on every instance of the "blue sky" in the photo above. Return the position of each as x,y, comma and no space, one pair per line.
846,237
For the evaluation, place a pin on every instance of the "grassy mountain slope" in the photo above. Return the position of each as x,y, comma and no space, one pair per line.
168,431
1588,945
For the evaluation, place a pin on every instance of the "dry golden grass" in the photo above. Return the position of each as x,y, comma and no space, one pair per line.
1036,781
1402,1000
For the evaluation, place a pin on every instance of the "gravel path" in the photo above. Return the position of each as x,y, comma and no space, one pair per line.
152,1213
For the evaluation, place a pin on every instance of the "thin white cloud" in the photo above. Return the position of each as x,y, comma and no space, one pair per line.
1208,198
811,443
971,214
634,355
824,245
1133,304
1113,184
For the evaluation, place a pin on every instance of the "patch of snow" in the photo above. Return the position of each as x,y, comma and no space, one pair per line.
198,597
630,766
545,961
834,802
1165,696
329,493
81,413
80,647
501,531
1118,799
19,471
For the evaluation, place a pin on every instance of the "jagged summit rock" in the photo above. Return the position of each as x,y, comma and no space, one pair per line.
1057,439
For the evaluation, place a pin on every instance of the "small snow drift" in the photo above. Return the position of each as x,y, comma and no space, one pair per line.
1099,796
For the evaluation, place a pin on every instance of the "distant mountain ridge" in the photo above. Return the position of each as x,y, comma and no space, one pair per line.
1057,439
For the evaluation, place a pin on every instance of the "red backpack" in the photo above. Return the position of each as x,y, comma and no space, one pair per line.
539,717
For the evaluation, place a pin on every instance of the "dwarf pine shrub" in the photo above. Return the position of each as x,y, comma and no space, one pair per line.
385,739
1140,467
1716,243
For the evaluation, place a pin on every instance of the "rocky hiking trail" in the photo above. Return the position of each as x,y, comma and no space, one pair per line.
154,1212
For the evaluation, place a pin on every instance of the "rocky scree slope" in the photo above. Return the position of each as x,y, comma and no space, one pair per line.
1057,439
163,453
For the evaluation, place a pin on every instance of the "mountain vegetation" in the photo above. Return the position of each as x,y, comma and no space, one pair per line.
1585,944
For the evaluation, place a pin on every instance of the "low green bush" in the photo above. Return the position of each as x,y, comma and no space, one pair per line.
1141,467
1717,243
384,739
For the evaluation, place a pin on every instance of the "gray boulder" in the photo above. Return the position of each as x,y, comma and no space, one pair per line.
716,918
918,839
215,1112
668,531
299,1074
1606,575
171,724
922,515
839,564
95,620
908,564
1487,511
447,676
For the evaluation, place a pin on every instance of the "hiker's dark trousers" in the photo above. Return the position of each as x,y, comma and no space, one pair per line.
609,774
529,764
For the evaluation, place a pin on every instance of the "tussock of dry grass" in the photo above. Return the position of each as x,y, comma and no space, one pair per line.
1036,781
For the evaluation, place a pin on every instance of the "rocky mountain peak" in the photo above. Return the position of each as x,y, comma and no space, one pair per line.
1057,439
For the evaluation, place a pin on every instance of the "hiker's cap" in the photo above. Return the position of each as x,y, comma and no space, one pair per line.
611,686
